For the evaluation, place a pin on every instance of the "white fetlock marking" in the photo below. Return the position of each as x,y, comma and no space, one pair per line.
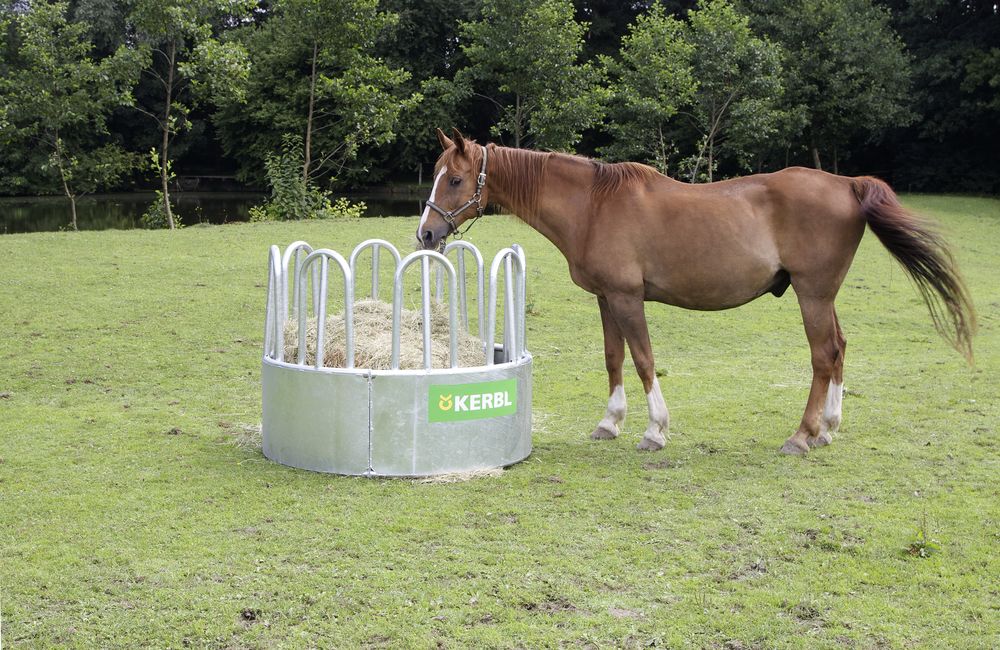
833,408
615,415
659,416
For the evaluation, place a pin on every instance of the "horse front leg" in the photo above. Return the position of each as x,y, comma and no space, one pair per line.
614,355
630,314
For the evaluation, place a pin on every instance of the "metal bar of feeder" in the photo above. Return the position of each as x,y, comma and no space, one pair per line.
273,328
375,245
521,285
425,311
463,293
319,304
508,307
295,248
320,310
397,304
491,303
462,246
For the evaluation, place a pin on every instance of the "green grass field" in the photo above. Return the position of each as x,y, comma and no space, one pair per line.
137,511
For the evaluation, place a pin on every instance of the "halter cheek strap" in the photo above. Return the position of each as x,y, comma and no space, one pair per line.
476,200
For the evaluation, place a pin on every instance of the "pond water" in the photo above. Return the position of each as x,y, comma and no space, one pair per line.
122,211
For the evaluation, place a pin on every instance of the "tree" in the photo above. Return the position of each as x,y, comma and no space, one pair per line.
58,98
845,69
735,105
651,80
314,73
608,21
523,58
954,51
424,41
188,63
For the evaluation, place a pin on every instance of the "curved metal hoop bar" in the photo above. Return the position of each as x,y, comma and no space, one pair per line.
461,247
425,258
512,350
274,343
297,249
521,297
375,245
319,304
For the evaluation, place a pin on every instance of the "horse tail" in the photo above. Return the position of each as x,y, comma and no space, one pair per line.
925,256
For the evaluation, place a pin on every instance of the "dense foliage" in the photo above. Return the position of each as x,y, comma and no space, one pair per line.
905,89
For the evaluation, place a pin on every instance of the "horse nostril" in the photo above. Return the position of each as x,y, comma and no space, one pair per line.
428,236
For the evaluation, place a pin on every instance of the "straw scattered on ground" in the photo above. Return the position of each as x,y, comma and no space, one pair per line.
373,339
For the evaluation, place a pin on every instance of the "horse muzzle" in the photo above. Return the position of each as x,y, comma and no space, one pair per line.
430,238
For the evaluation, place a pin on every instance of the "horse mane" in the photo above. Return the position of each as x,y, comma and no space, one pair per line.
522,171
611,178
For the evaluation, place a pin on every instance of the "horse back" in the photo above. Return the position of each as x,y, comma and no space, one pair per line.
720,245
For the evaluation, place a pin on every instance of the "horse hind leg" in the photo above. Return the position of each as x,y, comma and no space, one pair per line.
833,408
614,355
823,405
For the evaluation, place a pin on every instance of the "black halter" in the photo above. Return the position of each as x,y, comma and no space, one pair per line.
476,200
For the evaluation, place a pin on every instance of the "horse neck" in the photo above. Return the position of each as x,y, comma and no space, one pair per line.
549,192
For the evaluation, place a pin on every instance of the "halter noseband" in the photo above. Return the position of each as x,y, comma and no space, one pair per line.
476,200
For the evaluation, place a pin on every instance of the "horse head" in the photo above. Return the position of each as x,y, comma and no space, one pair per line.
458,192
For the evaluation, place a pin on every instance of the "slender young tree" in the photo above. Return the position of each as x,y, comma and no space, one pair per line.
736,103
315,74
57,98
652,79
188,62
846,70
523,57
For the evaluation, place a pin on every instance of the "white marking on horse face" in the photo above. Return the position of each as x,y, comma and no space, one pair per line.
659,416
427,209
616,407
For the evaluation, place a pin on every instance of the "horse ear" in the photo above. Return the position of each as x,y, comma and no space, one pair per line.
459,139
444,140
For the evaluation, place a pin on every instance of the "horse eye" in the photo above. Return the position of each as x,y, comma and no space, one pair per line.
456,180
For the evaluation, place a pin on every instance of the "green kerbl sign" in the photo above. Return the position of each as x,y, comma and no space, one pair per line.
456,402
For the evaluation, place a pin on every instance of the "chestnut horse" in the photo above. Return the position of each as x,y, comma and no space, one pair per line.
631,234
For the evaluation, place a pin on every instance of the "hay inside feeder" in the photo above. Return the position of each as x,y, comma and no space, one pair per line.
373,339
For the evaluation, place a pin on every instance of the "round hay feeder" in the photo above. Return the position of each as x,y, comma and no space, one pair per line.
396,420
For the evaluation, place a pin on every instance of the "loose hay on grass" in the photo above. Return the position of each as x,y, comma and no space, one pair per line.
373,339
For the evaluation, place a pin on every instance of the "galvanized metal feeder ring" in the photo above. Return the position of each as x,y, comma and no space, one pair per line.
397,421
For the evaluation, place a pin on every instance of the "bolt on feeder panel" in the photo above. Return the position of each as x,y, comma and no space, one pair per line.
470,412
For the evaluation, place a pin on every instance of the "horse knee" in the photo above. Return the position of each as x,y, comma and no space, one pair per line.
825,358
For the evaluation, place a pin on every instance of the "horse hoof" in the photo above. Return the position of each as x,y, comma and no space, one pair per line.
604,433
650,445
794,448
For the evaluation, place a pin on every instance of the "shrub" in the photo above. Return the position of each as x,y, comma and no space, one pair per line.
293,197
155,216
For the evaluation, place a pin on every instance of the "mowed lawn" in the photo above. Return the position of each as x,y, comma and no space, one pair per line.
136,508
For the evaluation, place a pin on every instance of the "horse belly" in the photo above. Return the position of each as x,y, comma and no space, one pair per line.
719,278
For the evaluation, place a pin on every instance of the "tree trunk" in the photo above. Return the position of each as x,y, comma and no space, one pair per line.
711,155
836,162
662,154
307,154
165,143
72,200
69,194
517,122
815,153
